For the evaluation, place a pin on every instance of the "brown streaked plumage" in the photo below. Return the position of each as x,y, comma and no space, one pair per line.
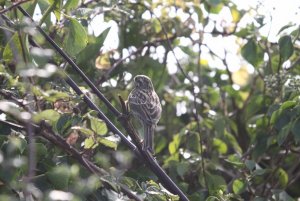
145,106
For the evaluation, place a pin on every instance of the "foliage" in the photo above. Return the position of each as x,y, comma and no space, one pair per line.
225,133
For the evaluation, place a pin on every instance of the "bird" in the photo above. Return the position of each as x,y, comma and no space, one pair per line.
145,106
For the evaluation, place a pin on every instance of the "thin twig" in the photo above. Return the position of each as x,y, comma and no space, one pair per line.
13,6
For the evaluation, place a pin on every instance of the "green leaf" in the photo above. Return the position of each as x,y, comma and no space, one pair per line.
252,53
283,133
13,44
174,145
193,142
64,123
89,143
275,116
282,177
98,126
91,51
288,104
239,186
57,8
160,144
59,176
182,168
110,141
50,116
259,172
83,130
76,39
250,164
286,47
215,183
71,4
235,160
220,146
296,129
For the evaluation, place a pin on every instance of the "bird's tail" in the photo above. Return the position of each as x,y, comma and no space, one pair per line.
149,138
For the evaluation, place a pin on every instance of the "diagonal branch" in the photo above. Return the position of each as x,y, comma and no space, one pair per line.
147,158
44,130
13,6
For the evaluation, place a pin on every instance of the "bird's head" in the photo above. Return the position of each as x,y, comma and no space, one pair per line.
143,82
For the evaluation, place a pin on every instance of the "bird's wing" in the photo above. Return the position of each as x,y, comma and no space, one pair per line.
146,106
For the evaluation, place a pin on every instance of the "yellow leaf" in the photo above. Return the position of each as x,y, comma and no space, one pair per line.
102,62
241,76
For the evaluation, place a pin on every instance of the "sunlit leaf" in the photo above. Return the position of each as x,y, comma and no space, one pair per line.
89,143
83,130
102,62
220,146
50,116
76,40
10,48
110,141
239,186
282,175
174,145
98,126
91,51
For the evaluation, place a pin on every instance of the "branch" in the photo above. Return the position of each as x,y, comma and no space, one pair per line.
147,158
121,60
12,6
45,131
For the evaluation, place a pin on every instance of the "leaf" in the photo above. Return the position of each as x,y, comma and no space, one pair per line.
215,183
182,168
220,146
239,186
83,130
71,4
285,27
110,141
57,8
12,45
48,115
64,123
282,177
250,164
286,47
76,39
252,53
296,129
98,126
174,145
235,160
193,142
275,116
89,143
287,105
283,133
59,176
91,51
103,61
160,143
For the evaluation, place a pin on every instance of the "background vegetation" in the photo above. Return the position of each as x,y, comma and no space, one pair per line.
226,132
